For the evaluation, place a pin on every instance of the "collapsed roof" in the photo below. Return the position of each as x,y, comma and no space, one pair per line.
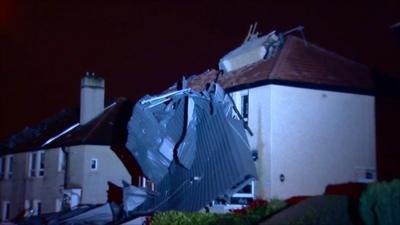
181,139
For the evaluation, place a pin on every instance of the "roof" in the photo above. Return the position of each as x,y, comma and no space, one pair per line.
297,63
32,138
108,128
63,129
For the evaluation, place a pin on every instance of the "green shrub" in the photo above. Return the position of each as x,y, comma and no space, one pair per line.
380,203
170,218
247,216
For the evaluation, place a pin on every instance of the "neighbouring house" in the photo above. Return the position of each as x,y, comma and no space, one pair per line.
311,113
39,177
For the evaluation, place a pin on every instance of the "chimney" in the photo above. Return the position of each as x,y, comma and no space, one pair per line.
92,97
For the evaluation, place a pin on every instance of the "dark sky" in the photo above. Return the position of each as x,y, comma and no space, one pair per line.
47,46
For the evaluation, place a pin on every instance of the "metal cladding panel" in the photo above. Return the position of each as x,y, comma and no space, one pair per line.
221,162
144,140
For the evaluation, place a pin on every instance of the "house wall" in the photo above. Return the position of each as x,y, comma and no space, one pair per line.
312,137
48,189
258,121
319,138
94,182
22,187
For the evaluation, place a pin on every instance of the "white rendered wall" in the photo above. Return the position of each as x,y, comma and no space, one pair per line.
313,137
319,138
94,182
258,121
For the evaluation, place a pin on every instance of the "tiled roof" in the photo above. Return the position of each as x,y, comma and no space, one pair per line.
108,128
297,62
32,138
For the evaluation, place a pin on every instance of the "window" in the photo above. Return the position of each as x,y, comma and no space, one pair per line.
146,183
37,207
61,161
32,164
58,205
5,214
28,204
243,196
2,167
36,164
94,164
10,162
41,163
245,107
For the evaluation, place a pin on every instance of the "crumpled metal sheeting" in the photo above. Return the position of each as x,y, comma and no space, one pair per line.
132,197
222,161
187,149
145,135
97,215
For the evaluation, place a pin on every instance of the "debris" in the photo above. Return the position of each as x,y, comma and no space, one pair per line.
192,146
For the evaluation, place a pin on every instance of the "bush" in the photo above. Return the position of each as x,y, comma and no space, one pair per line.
252,214
380,203
182,218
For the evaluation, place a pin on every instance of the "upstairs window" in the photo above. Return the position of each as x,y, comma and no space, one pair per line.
10,162
61,161
94,164
41,164
36,164
245,107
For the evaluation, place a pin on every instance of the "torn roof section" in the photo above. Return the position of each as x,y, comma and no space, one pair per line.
295,64
180,143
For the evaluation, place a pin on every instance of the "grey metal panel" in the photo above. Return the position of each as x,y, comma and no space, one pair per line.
213,158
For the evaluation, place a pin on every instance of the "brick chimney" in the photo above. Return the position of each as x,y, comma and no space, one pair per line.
92,97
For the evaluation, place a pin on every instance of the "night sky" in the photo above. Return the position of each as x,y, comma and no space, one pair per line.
139,48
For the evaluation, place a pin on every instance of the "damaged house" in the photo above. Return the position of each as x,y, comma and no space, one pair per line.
311,111
310,116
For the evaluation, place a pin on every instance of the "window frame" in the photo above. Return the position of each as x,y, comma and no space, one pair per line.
37,164
61,161
5,210
9,167
245,106
96,160
37,207
245,195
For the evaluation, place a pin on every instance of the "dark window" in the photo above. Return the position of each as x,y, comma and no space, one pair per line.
10,166
39,208
33,165
246,189
7,211
41,164
245,107
93,164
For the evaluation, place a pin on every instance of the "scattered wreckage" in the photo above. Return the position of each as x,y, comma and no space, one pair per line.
191,145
